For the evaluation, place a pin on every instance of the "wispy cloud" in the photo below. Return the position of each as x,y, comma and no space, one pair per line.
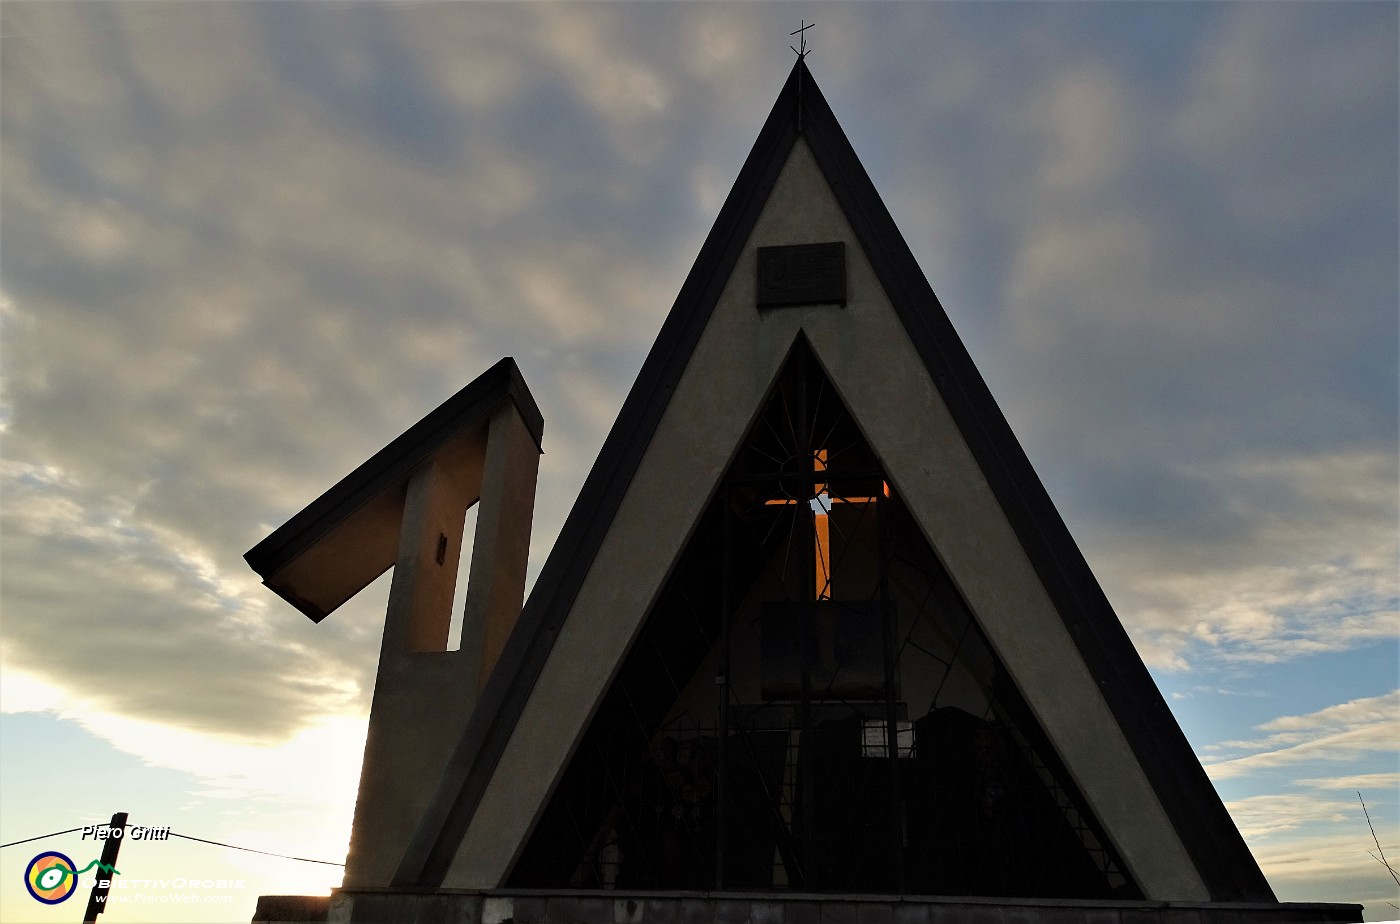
1342,732
1235,488
1259,817
1265,560
1356,781
149,619
1335,864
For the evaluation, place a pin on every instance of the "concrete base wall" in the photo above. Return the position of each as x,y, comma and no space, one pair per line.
291,909
591,907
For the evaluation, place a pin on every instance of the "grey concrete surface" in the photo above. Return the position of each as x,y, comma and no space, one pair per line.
872,363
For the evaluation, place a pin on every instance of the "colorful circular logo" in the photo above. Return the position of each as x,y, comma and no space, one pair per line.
49,877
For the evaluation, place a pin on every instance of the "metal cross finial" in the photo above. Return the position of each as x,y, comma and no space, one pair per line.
802,40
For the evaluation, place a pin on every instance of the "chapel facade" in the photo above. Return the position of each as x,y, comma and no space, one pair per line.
813,644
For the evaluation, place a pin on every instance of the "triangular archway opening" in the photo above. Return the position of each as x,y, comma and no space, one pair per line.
810,705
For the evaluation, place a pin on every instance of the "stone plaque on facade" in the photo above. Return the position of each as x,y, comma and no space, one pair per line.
802,274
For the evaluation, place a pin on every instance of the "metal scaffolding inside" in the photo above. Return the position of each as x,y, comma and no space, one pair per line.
811,706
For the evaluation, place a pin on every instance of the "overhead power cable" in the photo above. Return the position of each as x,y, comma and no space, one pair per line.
266,853
39,838
251,850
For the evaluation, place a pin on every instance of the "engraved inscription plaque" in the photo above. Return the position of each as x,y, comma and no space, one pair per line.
802,274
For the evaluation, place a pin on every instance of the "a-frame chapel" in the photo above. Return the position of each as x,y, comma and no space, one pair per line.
813,645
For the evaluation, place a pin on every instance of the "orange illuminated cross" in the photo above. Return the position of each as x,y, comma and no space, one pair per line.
821,503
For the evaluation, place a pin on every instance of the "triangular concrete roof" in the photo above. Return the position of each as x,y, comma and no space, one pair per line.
1106,715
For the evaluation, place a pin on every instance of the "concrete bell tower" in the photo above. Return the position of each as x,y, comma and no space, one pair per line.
405,508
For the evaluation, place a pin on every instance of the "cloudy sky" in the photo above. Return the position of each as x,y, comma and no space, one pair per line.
244,245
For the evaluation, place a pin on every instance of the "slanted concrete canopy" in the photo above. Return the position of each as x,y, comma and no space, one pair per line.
339,543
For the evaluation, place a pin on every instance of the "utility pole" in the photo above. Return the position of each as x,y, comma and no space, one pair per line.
97,902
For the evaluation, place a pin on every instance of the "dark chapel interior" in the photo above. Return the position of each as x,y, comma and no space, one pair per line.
746,741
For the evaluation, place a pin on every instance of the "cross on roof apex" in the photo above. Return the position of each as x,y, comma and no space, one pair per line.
802,38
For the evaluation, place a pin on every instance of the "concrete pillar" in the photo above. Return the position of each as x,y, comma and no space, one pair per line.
501,549
424,694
